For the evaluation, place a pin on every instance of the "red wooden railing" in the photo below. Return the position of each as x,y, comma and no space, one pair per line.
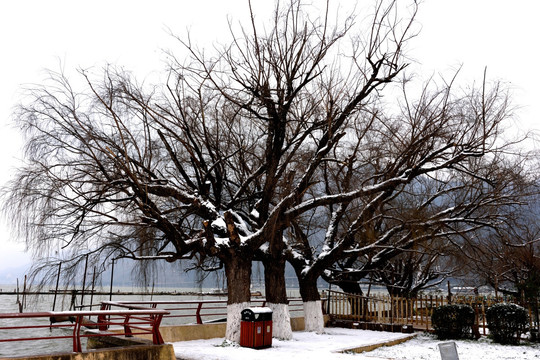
192,308
135,317
134,322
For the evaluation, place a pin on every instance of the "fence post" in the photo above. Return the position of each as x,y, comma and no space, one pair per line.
391,310
102,319
328,303
340,305
426,312
127,328
410,310
370,309
484,316
380,314
77,334
156,334
354,307
198,313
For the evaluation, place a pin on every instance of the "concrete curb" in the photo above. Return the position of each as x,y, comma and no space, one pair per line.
365,348
137,352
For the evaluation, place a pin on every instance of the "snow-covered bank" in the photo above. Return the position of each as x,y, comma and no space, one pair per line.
308,345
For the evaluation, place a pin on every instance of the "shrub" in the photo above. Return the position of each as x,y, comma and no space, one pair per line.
453,321
506,322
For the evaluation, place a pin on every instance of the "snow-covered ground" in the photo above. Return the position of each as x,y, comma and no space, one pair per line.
311,346
425,347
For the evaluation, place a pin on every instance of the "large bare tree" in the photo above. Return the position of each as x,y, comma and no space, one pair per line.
242,145
303,84
438,170
214,164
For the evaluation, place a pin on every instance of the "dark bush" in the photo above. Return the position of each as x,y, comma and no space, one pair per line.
453,321
506,323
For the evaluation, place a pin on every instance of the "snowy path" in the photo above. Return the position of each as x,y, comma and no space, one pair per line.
305,345
327,346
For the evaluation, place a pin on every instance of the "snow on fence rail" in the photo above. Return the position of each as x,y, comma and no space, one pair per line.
197,309
134,322
385,309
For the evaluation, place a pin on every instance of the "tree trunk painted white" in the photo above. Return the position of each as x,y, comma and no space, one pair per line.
281,321
313,316
234,317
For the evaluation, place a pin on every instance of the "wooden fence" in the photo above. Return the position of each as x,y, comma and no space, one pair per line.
415,312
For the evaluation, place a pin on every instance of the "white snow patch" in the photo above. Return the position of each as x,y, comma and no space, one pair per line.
222,241
234,317
219,224
425,347
207,204
308,345
297,255
264,247
241,225
281,321
304,345
306,269
313,316
260,309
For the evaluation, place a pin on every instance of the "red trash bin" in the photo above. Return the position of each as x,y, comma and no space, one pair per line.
256,327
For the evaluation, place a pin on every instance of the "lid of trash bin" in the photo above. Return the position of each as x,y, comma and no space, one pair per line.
259,309
261,313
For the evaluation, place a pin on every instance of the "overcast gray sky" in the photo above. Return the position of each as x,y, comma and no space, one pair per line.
37,35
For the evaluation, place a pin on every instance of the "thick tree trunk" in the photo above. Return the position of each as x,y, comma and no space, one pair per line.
238,271
313,315
276,296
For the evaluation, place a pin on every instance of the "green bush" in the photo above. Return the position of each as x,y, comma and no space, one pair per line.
506,323
453,321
